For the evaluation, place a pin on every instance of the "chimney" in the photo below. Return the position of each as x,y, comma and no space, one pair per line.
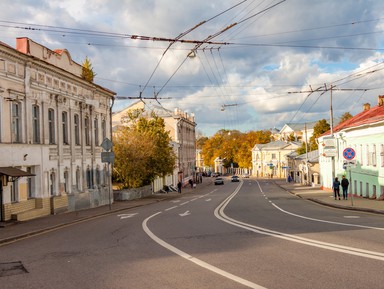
380,101
366,106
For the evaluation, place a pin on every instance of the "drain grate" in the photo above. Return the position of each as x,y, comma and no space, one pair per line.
12,268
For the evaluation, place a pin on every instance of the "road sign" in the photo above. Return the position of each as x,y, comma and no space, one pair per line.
107,157
349,154
106,144
348,164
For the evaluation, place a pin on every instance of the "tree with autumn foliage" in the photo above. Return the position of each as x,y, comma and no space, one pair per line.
345,117
233,147
142,151
87,72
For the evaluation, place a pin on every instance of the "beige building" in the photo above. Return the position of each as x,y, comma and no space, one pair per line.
270,160
52,123
181,128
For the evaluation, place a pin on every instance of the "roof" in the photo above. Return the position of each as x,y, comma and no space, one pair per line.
276,145
369,116
14,172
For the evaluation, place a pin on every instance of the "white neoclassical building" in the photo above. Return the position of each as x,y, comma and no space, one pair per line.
52,123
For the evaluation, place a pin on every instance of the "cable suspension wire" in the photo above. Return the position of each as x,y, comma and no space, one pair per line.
178,39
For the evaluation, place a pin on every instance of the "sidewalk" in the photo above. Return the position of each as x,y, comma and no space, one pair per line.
14,231
317,195
11,232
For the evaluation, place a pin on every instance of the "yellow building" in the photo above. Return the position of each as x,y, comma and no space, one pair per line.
270,160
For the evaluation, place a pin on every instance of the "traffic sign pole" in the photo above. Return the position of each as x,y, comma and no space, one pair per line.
349,154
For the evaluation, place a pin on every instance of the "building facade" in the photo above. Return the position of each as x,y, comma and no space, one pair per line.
52,123
363,135
270,160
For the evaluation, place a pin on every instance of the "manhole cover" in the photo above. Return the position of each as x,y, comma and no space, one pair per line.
12,268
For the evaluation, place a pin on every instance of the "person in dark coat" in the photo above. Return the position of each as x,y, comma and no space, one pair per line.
344,186
179,187
336,188
190,182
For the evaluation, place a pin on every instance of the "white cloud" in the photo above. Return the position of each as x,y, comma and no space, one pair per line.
295,46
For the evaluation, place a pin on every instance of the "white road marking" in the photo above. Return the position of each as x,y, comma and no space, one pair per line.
126,216
195,260
175,201
185,214
171,208
208,200
182,204
352,217
219,213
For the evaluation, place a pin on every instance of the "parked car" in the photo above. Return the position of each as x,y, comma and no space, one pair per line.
235,179
219,181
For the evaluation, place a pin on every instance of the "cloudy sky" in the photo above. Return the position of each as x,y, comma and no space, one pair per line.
235,64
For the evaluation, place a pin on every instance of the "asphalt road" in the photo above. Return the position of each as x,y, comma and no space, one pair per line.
250,234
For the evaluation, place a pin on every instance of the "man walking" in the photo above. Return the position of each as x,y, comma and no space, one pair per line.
344,185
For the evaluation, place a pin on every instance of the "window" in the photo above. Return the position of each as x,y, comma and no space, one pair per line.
29,184
52,184
14,191
78,179
64,120
89,179
98,178
367,190
77,129
374,156
51,126
382,155
367,155
104,129
66,181
355,187
36,123
374,191
16,122
86,130
96,131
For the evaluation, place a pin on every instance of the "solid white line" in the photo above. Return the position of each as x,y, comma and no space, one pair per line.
182,204
195,260
219,213
325,221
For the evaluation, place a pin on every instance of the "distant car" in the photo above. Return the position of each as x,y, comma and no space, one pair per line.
245,175
219,181
235,179
214,175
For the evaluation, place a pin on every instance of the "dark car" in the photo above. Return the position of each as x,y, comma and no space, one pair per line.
219,181
235,179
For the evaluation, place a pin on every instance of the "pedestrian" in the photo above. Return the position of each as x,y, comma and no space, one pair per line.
344,186
190,182
336,188
179,187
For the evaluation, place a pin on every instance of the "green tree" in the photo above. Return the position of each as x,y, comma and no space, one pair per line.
320,127
87,72
142,151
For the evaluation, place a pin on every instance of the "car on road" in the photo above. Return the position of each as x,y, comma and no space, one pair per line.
219,181
246,176
235,179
